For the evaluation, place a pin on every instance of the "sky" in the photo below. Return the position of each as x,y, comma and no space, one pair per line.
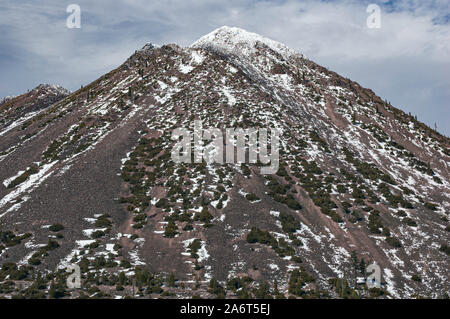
406,61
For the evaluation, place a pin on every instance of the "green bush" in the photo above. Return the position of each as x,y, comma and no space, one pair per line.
258,236
289,223
97,234
103,222
298,279
431,206
171,230
446,249
24,176
375,222
194,247
394,242
402,213
204,216
409,221
376,292
251,197
216,289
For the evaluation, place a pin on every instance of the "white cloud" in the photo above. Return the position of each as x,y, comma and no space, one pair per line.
406,61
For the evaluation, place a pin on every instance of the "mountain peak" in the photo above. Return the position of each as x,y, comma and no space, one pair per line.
358,180
43,88
239,42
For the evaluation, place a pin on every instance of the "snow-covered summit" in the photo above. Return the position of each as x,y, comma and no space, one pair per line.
237,41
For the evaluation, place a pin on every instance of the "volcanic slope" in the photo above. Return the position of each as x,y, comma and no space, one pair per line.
359,180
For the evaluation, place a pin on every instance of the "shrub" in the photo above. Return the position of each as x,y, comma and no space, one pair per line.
251,197
24,176
10,239
297,259
194,246
402,213
162,203
297,280
431,206
292,203
410,222
216,289
204,216
444,248
103,222
245,170
289,223
394,242
51,245
56,290
375,222
171,230
376,292
97,234
56,228
34,261
235,283
341,188
139,218
258,236
346,207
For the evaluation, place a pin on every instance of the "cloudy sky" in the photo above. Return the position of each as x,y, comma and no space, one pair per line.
406,61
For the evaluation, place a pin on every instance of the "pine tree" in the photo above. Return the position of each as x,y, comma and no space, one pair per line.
171,280
130,93
244,293
263,291
362,267
122,279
